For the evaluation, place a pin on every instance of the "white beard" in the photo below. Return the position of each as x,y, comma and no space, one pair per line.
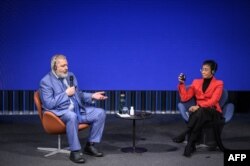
62,75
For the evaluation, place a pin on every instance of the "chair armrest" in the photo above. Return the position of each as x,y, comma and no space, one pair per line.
228,111
183,111
183,108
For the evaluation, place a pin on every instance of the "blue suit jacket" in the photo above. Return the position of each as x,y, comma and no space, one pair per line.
54,97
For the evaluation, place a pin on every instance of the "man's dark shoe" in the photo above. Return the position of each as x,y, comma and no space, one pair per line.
92,151
77,157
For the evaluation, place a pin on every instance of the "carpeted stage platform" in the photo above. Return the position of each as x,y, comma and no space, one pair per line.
21,135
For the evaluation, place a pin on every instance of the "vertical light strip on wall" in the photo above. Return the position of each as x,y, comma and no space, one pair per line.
3,102
34,108
13,102
23,100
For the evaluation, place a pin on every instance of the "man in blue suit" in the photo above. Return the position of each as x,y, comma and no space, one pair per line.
60,94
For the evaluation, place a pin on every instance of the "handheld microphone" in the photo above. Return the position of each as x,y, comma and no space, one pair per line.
71,81
183,77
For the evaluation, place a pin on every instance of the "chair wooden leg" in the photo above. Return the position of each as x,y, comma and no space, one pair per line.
54,151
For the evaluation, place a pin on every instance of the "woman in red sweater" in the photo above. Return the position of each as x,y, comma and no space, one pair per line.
207,92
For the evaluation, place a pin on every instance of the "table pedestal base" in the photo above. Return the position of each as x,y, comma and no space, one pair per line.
134,150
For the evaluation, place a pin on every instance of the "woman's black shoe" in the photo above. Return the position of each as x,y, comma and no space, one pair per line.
179,139
189,150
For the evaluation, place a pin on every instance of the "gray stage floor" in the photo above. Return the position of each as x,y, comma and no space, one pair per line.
21,135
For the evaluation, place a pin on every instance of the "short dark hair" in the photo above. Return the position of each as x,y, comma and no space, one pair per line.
213,65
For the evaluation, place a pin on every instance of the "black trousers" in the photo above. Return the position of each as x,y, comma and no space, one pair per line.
198,120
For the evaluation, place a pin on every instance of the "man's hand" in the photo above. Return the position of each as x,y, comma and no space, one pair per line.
99,96
70,91
193,108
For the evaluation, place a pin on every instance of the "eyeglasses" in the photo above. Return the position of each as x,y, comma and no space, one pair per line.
204,69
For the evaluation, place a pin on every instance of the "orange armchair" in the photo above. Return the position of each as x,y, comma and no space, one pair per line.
53,125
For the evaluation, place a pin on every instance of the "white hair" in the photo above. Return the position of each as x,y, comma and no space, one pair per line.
54,60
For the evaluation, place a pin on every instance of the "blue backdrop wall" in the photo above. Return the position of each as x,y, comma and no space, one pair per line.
122,44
